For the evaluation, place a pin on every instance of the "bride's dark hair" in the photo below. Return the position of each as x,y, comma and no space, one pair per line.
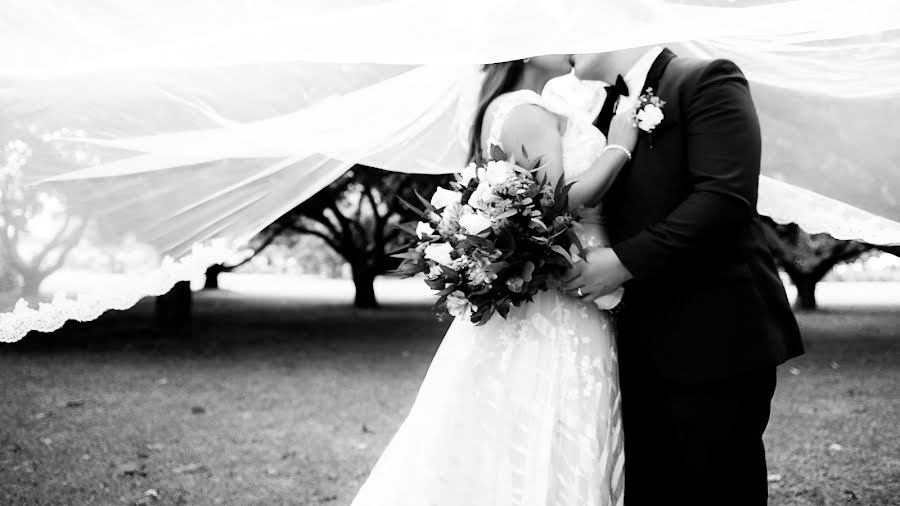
499,78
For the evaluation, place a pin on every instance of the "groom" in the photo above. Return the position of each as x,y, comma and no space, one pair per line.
705,319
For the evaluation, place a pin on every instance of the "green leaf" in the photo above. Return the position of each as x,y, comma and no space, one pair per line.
410,255
497,153
436,284
502,307
562,252
528,272
450,289
559,190
408,269
425,202
478,241
408,228
496,267
482,316
400,274
574,239
415,210
440,305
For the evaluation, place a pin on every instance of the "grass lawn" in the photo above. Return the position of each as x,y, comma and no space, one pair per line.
273,401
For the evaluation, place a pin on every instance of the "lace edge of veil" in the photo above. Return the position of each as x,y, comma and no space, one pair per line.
780,201
52,315
816,214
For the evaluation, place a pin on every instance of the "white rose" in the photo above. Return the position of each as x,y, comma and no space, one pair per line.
439,253
468,174
475,223
649,117
443,198
424,229
481,196
497,173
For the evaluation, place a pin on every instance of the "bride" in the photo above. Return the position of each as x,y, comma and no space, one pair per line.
523,410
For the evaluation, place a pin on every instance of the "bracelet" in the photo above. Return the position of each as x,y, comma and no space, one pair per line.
618,147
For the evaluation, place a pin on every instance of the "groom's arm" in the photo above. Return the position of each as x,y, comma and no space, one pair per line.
723,150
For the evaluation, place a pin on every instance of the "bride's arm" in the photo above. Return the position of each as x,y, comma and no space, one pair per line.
593,183
537,131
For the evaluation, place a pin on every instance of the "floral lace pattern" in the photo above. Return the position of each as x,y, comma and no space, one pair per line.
523,411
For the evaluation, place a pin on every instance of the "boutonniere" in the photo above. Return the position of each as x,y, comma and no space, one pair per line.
649,113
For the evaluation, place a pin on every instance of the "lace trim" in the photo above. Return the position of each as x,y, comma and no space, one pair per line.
50,316
816,213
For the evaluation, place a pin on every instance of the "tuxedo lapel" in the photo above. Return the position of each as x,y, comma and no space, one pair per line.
657,70
652,81
654,76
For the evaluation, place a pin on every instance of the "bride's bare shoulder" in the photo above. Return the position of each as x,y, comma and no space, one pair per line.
520,117
505,103
529,119
523,108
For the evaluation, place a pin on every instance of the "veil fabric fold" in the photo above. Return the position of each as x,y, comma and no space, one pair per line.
176,133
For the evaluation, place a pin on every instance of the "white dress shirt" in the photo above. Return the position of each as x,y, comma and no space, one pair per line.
636,78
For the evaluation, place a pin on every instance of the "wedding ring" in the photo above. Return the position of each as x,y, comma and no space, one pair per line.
580,293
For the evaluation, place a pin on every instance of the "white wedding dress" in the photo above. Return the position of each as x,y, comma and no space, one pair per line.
524,411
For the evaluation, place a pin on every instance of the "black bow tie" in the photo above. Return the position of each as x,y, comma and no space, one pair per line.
619,89
613,92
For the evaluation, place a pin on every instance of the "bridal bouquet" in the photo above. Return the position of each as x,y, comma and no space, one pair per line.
497,237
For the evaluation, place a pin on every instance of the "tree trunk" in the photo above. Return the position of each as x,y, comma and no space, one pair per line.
212,277
10,281
806,292
173,310
365,289
31,283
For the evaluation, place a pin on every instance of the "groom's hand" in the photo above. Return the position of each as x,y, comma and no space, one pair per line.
599,274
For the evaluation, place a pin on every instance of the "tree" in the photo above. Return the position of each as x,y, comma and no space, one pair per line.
807,258
259,243
892,250
172,310
31,252
355,216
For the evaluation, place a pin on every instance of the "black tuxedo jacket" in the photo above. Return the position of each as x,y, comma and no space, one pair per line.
706,300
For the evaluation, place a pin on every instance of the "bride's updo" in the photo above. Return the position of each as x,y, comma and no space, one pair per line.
499,78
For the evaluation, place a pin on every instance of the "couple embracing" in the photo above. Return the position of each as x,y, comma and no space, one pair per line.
564,404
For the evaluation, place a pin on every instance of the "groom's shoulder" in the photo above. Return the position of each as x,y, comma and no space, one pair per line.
698,70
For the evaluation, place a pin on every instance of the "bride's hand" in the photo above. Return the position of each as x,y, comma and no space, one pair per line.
622,130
